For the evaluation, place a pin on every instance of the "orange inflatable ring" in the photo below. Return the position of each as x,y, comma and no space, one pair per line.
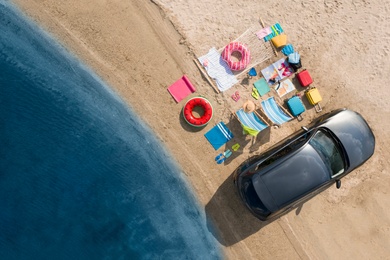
198,102
236,47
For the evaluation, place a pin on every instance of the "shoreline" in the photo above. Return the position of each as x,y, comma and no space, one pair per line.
140,49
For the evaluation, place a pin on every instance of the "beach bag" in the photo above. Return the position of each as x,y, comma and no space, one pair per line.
294,59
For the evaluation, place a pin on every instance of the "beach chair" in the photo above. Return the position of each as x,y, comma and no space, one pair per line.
275,112
252,123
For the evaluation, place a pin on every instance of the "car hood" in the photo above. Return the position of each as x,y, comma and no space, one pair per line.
356,136
290,178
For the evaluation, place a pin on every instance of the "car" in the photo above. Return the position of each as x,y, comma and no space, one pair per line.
304,164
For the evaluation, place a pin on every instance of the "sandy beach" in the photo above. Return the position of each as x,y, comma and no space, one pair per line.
141,48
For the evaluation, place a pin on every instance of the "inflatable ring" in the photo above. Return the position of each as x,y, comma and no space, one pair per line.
236,47
207,111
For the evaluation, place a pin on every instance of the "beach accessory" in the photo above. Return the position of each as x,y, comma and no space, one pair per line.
181,88
255,94
263,32
249,106
218,157
274,111
288,49
262,87
236,146
252,72
314,97
198,102
240,48
304,78
236,96
219,135
221,160
296,107
227,153
279,40
218,70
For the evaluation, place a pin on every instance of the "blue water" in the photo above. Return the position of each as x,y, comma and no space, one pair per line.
81,177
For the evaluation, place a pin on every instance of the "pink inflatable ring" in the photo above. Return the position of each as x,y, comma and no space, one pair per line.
236,47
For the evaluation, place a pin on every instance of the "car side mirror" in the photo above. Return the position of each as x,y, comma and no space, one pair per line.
338,184
305,128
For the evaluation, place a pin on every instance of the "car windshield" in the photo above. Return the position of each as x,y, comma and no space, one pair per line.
326,147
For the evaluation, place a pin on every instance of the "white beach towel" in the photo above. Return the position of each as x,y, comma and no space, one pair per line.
218,69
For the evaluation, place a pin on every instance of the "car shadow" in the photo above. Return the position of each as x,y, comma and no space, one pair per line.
229,220
227,217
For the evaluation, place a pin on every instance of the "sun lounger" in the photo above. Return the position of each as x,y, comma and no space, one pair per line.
275,112
251,123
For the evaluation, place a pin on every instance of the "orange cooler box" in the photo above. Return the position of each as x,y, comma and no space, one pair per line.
314,97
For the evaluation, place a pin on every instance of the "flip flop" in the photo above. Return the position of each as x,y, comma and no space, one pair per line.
221,160
227,153
218,156
255,93
234,97
237,95
235,147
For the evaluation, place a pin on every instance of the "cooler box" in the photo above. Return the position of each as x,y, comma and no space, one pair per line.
314,97
304,78
296,107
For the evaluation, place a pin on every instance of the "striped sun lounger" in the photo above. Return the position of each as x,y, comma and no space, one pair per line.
274,112
251,123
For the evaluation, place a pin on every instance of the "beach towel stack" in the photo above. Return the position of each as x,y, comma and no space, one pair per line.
219,135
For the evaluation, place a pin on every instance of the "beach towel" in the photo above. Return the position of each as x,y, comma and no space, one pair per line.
284,87
276,30
251,124
263,32
219,135
181,88
274,112
262,86
218,69
277,71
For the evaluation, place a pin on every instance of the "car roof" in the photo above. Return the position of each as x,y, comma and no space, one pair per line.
291,178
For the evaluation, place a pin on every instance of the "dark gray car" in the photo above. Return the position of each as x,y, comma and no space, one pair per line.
305,163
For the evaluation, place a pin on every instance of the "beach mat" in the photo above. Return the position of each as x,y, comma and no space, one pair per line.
181,89
219,135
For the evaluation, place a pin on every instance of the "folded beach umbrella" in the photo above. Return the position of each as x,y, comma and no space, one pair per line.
219,135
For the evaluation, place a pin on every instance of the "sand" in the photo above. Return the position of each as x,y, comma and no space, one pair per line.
141,47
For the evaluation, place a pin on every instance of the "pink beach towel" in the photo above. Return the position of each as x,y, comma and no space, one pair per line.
181,88
264,32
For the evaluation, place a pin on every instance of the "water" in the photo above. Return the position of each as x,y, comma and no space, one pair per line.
80,176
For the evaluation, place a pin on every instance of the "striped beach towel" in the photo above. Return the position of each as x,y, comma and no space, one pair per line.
218,69
219,135
276,30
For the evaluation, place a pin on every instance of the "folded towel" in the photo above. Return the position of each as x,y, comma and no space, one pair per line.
218,69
